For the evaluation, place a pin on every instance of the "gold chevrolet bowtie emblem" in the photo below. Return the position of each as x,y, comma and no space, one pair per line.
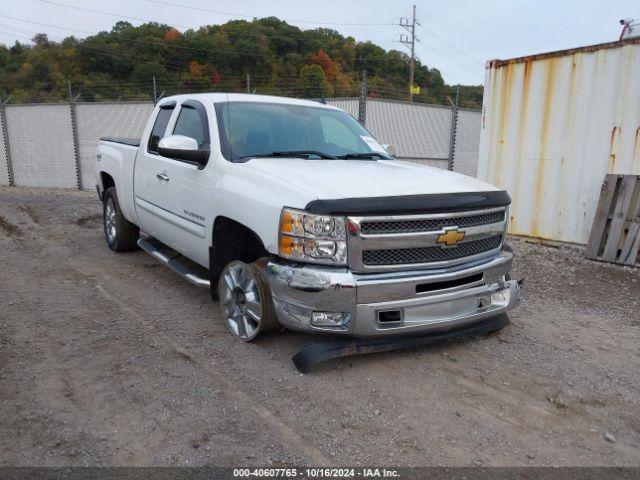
450,237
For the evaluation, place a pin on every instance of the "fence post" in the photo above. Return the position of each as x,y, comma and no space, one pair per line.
5,135
155,91
362,100
454,126
74,130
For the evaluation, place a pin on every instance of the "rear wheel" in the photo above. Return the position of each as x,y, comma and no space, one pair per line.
246,302
121,235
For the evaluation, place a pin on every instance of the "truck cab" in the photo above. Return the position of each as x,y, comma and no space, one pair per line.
295,216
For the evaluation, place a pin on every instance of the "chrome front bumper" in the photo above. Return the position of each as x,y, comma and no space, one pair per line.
299,290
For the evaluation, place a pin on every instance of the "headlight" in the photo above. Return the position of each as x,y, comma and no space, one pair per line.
312,238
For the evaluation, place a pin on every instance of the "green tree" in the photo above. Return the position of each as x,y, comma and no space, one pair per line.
145,71
313,82
280,58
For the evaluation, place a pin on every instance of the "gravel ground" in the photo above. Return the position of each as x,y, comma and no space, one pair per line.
111,359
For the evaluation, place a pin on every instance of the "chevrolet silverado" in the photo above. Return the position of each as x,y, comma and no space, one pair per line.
295,216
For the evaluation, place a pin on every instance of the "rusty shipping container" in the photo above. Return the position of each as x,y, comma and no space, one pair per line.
553,125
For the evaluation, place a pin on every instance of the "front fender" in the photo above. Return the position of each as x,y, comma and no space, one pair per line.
255,200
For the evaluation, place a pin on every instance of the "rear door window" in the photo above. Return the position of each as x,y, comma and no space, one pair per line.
159,129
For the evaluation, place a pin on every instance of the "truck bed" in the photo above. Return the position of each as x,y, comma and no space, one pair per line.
132,142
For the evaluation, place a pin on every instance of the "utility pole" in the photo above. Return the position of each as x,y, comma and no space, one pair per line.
410,42
248,83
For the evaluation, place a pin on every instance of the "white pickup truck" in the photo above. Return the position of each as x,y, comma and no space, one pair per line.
295,216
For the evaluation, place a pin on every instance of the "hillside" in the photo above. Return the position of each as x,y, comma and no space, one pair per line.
270,55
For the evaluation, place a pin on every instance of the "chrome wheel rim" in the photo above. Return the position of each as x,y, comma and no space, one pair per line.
241,301
110,220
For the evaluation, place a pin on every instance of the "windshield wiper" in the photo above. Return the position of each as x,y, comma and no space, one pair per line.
364,156
292,153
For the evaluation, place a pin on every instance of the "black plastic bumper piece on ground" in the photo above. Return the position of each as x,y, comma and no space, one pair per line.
318,352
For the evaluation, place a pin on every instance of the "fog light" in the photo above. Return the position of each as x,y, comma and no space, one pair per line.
484,301
334,320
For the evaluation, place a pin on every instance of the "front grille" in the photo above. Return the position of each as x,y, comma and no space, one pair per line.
429,225
406,256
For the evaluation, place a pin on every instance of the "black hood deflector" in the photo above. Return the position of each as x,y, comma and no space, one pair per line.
411,204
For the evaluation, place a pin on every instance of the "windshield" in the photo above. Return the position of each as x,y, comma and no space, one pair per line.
249,129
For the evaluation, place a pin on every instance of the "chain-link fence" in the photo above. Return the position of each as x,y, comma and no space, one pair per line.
418,132
53,145
42,147
350,105
4,164
95,120
466,143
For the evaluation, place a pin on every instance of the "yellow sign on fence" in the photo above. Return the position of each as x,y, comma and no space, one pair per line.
415,90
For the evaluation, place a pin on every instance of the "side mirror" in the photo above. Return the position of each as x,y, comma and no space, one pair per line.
180,147
390,149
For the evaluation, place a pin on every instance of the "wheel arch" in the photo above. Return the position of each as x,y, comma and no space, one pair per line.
232,240
106,181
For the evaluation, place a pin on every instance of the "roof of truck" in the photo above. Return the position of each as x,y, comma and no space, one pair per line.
247,97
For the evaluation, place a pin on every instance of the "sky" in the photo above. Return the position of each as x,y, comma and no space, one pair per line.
456,36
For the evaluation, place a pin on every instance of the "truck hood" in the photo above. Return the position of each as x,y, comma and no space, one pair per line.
336,179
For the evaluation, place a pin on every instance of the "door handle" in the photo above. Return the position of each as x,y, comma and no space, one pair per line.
163,176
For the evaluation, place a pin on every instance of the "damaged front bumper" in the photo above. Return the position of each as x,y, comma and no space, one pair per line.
371,305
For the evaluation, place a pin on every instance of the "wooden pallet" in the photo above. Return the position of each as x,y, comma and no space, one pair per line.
615,233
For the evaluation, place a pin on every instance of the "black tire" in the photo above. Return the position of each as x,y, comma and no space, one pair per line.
271,323
121,235
247,306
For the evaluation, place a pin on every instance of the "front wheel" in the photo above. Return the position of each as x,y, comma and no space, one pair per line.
246,302
121,235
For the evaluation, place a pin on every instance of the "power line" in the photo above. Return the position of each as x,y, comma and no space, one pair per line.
242,35
143,42
232,14
140,89
102,12
182,64
119,56
281,80
21,30
454,31
447,57
117,15
46,24
180,85
9,35
475,60
411,41
251,35
169,45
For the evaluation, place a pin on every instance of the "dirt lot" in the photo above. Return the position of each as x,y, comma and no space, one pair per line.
110,359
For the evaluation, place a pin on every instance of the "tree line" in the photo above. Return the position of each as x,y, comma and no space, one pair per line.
265,56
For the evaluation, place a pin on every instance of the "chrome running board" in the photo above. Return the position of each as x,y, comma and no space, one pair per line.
173,263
